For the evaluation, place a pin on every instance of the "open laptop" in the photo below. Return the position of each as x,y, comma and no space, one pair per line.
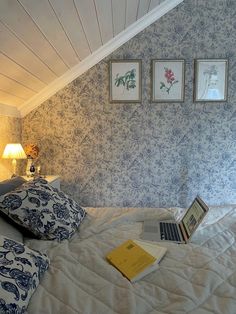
170,230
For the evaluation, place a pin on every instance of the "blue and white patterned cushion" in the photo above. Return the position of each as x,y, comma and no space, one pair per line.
44,210
20,272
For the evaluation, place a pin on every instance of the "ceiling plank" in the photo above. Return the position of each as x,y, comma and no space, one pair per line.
104,12
45,18
87,14
119,15
16,18
12,87
12,70
68,17
131,12
41,39
17,51
154,3
10,100
143,7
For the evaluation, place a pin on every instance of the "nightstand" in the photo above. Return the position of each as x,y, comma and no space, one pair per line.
53,180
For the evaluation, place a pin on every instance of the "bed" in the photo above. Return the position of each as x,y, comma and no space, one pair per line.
199,277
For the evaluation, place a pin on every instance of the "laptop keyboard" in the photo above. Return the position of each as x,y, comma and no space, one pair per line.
169,231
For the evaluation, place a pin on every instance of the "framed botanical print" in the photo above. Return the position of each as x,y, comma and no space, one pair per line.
211,80
125,81
168,80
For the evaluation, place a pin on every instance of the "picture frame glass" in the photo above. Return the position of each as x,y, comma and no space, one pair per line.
168,81
211,80
125,81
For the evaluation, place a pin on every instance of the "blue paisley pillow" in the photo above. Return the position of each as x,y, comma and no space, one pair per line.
44,210
20,272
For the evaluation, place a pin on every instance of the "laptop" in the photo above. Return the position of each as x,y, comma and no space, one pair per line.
170,230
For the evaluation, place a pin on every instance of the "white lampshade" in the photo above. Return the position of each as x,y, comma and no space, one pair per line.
14,151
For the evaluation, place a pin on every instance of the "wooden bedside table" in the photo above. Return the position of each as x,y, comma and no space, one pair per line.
53,180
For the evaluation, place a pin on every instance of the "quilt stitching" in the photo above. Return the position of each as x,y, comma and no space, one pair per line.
109,230
216,289
82,288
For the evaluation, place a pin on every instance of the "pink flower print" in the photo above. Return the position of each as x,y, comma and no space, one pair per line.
170,79
169,74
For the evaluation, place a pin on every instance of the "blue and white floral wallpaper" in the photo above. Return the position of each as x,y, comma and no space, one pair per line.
147,154
10,132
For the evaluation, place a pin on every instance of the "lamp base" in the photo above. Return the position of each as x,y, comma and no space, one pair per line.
14,167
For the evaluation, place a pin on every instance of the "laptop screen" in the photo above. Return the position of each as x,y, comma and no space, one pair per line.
193,216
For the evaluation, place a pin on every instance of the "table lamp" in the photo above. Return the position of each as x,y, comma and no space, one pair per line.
14,151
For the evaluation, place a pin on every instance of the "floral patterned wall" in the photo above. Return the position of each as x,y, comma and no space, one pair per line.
10,132
146,154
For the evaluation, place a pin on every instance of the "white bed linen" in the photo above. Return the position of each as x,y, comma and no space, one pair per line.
199,277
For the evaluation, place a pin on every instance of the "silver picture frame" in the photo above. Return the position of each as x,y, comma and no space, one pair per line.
125,83
211,80
168,80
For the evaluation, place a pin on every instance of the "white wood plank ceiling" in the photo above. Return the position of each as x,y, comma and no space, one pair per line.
42,40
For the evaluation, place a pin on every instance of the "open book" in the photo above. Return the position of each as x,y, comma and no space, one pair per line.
135,258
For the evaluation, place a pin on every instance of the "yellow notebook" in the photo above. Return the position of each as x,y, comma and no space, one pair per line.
133,258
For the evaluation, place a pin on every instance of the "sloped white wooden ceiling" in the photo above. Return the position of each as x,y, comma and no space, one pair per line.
45,44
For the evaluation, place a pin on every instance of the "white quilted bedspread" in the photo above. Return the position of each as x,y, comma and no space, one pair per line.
199,277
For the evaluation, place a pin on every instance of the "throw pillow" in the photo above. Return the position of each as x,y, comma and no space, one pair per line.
45,211
20,272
